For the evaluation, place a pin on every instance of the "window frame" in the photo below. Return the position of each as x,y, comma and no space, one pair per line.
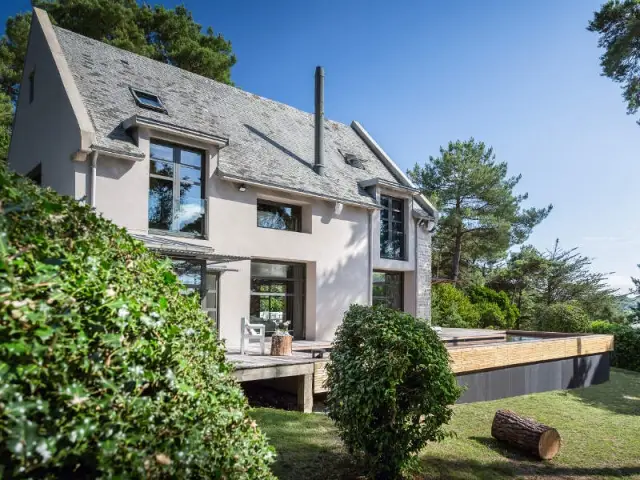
299,296
176,180
296,214
136,91
390,227
400,282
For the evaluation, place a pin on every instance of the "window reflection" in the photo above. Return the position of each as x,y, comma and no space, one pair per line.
176,193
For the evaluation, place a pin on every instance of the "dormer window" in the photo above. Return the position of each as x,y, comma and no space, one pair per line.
148,100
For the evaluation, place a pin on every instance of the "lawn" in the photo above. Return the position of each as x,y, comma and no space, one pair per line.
600,429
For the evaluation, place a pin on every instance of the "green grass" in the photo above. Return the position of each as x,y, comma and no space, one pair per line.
600,429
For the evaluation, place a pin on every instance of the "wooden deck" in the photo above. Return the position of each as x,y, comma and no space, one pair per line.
253,366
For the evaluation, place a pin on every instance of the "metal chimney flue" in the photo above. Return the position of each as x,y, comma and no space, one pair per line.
319,122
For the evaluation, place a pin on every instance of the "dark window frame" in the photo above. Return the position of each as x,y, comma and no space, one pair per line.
176,181
138,93
296,215
393,227
387,299
298,280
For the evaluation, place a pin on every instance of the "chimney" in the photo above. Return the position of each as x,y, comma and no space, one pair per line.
319,122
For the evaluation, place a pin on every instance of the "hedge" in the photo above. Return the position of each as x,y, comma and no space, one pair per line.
626,341
106,369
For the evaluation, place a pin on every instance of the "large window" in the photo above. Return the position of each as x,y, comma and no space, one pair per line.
279,216
388,289
176,189
277,295
392,228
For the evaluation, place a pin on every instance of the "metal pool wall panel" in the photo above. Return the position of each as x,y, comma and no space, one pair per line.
517,380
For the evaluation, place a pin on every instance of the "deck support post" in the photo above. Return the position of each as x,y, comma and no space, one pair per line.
305,393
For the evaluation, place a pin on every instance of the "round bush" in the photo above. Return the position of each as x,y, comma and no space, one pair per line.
390,387
491,316
482,296
563,317
106,369
452,308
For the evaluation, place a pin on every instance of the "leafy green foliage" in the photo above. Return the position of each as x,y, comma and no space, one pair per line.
106,369
167,35
6,119
563,317
496,309
617,23
391,387
450,307
626,343
477,307
634,317
534,280
481,215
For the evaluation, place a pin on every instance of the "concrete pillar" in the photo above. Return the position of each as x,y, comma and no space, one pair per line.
305,393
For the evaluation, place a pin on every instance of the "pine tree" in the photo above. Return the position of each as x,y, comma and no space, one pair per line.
481,215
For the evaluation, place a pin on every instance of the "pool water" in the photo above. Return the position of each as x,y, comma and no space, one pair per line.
520,338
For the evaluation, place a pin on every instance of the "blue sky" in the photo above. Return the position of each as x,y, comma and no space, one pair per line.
523,77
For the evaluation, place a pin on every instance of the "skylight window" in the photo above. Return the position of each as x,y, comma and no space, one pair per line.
148,100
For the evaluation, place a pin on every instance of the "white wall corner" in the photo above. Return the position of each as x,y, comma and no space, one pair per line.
87,132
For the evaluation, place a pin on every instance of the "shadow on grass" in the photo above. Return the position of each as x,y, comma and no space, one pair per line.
620,395
315,464
438,467
503,449
307,446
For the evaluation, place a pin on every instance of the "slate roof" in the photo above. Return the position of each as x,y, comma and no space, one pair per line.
269,142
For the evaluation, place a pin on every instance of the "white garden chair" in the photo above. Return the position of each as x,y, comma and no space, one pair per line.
251,331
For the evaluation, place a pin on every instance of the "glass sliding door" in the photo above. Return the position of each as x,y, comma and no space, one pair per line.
211,299
195,277
277,296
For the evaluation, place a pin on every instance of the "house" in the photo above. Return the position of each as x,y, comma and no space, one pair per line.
268,211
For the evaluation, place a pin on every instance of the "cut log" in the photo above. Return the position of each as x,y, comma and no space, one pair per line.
526,434
281,345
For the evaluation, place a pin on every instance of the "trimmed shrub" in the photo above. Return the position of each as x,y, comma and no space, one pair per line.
106,369
483,296
450,307
391,387
626,344
491,316
563,317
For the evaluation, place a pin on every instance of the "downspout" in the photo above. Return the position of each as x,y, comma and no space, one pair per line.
415,260
94,169
370,259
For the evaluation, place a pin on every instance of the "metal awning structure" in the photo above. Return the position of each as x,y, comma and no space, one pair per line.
172,247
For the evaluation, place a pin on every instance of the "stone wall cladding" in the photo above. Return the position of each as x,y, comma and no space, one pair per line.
423,275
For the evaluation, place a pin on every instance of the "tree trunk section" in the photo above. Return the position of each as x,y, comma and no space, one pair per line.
457,253
526,434
281,345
